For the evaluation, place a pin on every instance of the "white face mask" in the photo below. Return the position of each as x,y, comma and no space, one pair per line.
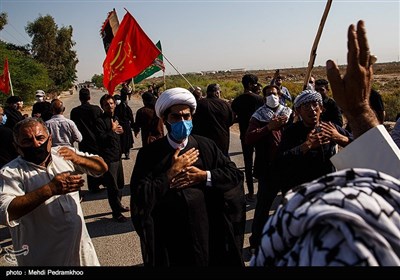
4,120
117,102
272,101
39,99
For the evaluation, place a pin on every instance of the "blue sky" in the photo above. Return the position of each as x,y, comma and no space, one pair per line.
218,35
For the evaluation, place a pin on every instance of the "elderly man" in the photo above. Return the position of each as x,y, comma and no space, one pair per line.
39,199
187,198
346,218
307,145
64,132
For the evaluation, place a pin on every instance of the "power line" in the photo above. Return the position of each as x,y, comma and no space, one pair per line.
4,30
22,35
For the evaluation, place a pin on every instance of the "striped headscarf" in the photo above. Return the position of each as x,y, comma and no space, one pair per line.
306,96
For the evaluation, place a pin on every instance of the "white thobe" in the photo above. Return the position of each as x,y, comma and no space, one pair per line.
53,234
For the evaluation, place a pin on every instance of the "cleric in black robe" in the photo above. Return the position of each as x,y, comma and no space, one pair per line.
187,198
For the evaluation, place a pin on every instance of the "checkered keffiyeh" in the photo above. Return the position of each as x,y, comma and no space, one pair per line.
265,114
350,217
306,96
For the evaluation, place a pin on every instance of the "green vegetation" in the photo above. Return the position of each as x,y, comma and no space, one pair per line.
97,80
386,81
27,74
52,46
48,63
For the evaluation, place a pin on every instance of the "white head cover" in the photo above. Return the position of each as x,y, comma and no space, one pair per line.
174,96
39,93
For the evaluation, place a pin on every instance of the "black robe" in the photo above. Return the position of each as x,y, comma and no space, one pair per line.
212,119
126,120
197,226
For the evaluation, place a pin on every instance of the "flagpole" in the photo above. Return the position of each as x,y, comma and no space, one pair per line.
176,70
11,87
313,53
133,85
165,83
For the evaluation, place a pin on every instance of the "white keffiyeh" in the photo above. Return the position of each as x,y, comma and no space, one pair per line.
350,217
174,96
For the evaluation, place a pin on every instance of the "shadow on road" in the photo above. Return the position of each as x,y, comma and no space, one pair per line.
107,226
232,154
102,194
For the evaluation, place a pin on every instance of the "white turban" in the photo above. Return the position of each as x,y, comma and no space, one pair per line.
174,96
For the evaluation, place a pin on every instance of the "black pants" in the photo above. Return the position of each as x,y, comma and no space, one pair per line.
267,191
113,180
248,151
93,182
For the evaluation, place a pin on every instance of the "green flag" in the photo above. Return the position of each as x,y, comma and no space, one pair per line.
156,66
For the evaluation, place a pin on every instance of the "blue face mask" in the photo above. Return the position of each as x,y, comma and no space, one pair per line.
181,130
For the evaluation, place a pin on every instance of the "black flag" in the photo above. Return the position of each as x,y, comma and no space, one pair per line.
109,29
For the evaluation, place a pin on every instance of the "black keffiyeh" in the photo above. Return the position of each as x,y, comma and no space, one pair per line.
350,217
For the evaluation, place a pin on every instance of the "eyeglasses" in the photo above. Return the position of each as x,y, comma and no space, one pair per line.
311,106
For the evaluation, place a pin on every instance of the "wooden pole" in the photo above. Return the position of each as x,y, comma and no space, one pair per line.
177,70
11,86
313,53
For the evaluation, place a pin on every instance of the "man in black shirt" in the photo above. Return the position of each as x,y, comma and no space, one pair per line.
42,108
244,106
84,116
108,131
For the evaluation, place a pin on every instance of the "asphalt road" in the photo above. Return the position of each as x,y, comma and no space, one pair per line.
117,244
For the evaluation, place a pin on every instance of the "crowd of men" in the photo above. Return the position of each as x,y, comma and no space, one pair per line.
187,197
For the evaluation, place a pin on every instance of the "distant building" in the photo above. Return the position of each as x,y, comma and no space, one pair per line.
238,70
208,72
194,73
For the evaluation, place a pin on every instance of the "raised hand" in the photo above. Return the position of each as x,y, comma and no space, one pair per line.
351,92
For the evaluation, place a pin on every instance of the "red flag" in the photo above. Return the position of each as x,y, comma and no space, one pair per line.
130,52
5,79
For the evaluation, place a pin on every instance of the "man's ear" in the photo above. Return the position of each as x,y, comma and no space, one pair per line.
50,140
